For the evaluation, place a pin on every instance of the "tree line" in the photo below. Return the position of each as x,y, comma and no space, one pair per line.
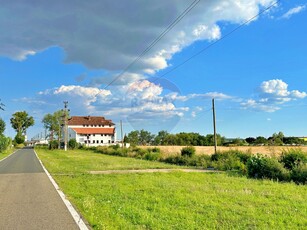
143,137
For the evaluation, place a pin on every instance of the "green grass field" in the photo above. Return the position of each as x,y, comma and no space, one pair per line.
174,200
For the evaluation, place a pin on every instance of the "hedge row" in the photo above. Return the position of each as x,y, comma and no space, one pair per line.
290,166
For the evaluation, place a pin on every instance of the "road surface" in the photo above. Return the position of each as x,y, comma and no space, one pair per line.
28,199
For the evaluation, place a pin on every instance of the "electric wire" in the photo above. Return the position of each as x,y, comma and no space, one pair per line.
174,23
220,39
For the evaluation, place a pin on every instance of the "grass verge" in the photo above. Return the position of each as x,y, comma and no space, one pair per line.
174,200
6,153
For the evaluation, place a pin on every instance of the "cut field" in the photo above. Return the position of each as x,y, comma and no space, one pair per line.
209,150
174,200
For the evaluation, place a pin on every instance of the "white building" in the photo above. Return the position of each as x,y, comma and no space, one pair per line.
91,131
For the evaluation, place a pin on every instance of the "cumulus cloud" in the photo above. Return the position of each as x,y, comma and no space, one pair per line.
107,35
293,11
272,94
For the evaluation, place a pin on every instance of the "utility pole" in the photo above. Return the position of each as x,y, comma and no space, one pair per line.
65,125
121,133
214,126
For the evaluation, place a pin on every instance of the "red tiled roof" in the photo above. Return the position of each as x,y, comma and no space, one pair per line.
89,120
94,130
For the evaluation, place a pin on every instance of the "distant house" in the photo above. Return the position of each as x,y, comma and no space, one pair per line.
91,131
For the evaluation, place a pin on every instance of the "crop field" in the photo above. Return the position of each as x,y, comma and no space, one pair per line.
209,150
173,200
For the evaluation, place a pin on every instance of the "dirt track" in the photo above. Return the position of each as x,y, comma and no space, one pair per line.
208,150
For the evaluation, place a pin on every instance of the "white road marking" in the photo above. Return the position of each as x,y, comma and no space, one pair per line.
77,218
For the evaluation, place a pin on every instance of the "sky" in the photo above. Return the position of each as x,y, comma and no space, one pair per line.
133,61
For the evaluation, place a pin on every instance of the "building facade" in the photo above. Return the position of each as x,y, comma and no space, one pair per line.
91,130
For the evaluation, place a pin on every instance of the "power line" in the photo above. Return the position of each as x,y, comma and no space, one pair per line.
220,39
175,22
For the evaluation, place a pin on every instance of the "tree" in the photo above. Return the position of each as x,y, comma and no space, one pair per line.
160,139
21,121
145,137
53,123
2,126
133,137
261,140
1,105
250,140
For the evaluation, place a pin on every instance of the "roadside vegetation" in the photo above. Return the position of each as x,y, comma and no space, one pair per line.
175,200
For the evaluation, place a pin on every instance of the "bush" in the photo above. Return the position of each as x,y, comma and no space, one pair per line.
230,160
188,151
293,158
72,143
299,174
53,144
266,168
5,143
152,156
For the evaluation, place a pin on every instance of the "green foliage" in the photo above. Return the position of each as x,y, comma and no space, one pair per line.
53,123
5,143
293,158
72,143
21,121
188,151
230,160
19,138
299,174
53,144
2,126
266,168
143,137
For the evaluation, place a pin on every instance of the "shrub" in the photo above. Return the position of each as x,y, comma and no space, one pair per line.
299,174
188,151
152,156
266,168
293,158
53,144
5,142
72,143
230,160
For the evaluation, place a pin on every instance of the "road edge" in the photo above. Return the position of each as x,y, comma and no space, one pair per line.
9,155
76,216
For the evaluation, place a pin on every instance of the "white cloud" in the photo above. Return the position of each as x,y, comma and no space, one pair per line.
275,87
293,11
273,93
210,95
107,35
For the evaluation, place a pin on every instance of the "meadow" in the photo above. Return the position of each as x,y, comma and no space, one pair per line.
174,200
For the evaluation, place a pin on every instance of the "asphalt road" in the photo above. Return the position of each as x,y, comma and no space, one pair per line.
28,200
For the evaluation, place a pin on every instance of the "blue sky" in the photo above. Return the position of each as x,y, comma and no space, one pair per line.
54,52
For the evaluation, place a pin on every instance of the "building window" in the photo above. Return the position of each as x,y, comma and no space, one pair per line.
83,125
110,125
85,142
109,141
101,141
93,135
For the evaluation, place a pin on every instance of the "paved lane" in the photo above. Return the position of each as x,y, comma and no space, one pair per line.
28,200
